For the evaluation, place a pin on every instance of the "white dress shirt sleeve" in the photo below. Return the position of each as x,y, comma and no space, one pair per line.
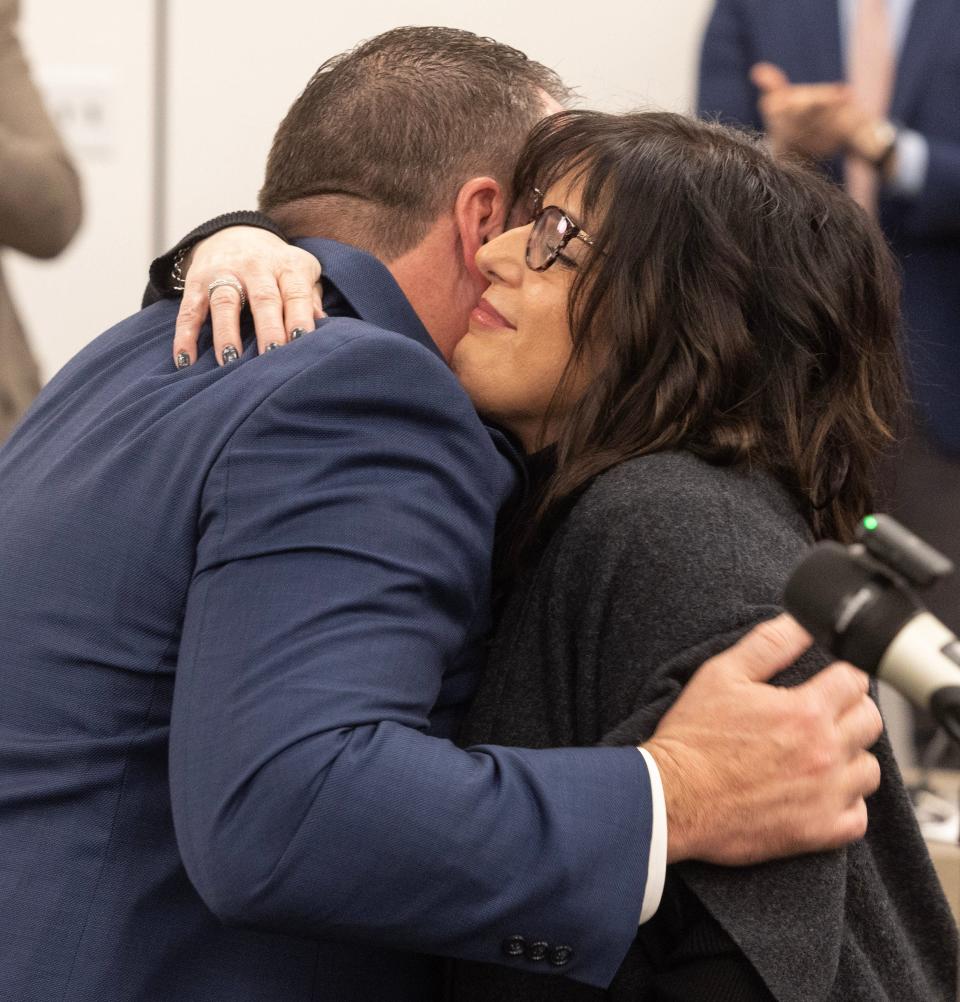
910,170
657,864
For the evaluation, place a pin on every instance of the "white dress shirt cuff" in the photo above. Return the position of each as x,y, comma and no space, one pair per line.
910,173
657,863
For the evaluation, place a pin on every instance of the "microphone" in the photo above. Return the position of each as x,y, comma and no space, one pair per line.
857,602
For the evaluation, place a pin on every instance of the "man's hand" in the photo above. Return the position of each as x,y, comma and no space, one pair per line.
279,281
813,120
753,771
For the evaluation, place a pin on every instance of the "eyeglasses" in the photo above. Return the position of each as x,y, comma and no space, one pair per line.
552,231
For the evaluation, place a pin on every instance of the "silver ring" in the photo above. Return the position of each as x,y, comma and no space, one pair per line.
233,283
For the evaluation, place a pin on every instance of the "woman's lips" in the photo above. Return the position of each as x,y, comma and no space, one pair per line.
484,315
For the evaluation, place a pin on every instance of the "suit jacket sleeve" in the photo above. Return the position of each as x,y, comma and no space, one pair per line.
935,211
725,92
39,189
345,541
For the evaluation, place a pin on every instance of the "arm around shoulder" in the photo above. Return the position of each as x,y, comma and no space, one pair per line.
342,567
678,561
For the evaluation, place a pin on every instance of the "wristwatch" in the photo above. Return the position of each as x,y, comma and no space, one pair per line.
876,143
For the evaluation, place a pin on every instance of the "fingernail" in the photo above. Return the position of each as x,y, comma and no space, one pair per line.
229,355
297,333
272,346
183,360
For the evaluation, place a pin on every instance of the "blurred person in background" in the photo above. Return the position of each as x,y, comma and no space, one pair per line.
870,90
40,206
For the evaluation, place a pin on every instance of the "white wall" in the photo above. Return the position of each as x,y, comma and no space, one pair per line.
224,112
103,48
233,71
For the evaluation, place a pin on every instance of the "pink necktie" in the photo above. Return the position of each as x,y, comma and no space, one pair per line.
870,70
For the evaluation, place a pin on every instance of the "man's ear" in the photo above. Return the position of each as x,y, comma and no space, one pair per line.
480,214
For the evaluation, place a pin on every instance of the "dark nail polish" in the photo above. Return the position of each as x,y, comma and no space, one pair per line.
183,360
230,354
297,333
272,346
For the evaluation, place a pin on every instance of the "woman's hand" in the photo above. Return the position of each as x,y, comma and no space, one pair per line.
279,282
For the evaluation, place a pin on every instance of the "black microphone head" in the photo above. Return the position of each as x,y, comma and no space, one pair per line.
850,606
821,584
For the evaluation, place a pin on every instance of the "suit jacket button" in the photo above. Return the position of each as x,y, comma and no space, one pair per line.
536,951
560,956
514,946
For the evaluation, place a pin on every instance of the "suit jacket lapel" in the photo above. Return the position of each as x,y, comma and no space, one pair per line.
923,36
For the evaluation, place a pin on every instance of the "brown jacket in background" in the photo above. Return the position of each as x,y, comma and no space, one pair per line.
39,206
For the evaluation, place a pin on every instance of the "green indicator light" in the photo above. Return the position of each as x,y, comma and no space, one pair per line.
870,523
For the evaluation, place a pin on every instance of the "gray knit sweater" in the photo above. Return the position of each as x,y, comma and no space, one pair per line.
663,562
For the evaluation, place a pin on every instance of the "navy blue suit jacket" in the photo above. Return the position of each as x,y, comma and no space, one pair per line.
803,37
241,611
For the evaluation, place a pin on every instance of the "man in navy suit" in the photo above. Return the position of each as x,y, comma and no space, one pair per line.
873,86
242,608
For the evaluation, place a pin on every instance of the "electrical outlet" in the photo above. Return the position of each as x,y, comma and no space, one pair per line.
81,101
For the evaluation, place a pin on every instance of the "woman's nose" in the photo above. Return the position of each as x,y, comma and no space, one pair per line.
503,260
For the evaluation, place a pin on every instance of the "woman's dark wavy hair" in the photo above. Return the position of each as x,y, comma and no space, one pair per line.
742,309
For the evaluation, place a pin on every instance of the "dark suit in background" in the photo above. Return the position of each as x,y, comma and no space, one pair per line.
241,613
805,40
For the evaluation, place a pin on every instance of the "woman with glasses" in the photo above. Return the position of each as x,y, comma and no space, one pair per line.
697,348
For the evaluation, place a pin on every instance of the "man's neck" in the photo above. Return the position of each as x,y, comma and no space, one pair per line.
431,275
439,292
